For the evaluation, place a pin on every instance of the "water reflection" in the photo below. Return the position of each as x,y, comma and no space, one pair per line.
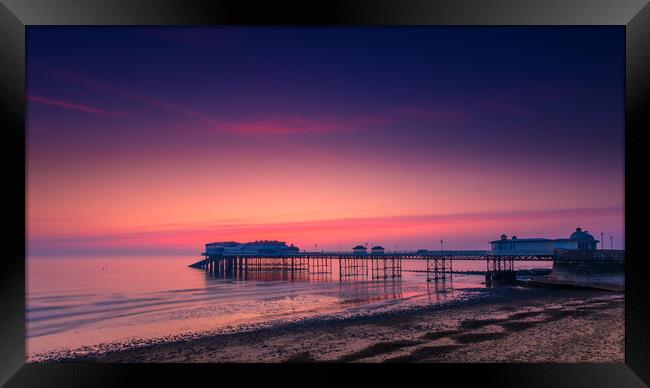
370,291
356,285
268,276
72,302
271,269
441,290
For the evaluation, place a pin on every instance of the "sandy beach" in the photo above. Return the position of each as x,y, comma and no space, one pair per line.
513,324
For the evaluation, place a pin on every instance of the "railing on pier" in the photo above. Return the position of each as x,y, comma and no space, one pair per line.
371,292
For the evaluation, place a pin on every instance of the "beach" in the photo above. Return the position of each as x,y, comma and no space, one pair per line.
506,324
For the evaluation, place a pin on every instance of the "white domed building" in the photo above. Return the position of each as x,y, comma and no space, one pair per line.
579,239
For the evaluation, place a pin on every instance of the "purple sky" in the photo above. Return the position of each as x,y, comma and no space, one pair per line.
153,140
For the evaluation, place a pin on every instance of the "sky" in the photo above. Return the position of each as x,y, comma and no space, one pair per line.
156,140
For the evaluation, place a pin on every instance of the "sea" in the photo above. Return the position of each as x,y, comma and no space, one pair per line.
82,305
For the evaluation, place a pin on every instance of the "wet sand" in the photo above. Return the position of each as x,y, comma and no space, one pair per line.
515,324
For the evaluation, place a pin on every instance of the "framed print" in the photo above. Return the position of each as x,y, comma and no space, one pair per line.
426,187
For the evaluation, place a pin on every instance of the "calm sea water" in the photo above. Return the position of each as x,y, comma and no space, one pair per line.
92,303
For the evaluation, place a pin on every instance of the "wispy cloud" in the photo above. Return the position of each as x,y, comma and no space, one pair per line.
339,123
280,126
72,106
290,125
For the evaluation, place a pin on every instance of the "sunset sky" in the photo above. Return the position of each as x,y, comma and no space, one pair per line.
157,140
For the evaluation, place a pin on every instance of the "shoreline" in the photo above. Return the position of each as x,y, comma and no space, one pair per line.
526,324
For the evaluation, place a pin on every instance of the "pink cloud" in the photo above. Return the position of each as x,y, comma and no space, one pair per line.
276,126
72,106
333,123
291,125
408,112
129,95
272,126
286,126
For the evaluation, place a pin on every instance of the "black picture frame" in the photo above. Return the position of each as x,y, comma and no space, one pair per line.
16,15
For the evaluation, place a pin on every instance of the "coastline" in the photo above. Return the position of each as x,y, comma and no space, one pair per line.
508,324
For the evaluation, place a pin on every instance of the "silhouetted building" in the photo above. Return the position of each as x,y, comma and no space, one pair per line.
542,246
254,247
377,250
360,250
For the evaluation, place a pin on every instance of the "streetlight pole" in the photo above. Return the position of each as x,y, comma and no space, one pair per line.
611,243
602,241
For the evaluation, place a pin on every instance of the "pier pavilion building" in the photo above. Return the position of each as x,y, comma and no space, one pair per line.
579,239
254,247
359,250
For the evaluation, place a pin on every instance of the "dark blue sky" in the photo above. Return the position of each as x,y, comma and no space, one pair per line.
573,76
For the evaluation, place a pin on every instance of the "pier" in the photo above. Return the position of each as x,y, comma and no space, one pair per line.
439,265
